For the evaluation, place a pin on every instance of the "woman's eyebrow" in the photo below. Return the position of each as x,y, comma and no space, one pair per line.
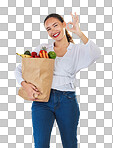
52,25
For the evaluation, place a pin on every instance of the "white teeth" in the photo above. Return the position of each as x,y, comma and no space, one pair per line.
56,34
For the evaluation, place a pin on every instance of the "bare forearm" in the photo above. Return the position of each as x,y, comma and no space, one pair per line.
83,37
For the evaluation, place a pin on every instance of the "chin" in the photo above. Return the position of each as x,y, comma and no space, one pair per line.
59,38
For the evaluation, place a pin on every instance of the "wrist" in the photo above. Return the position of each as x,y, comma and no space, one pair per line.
80,34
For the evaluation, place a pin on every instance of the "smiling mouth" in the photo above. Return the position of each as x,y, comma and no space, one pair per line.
56,35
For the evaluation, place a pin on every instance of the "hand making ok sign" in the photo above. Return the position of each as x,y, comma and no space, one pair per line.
75,29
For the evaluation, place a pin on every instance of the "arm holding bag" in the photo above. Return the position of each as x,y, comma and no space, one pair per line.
38,71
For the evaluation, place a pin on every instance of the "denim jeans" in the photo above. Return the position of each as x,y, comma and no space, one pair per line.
63,107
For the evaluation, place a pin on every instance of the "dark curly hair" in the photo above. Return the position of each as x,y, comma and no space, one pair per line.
60,18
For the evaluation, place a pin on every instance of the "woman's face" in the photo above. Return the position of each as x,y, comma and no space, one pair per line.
55,28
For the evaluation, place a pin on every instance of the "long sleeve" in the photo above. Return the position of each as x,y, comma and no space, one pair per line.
87,54
18,74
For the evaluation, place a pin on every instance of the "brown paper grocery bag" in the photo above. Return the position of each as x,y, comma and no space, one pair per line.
38,71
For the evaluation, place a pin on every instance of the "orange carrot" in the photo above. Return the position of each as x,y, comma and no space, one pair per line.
44,55
40,55
47,55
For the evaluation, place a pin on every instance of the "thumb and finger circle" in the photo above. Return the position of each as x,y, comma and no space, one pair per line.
69,24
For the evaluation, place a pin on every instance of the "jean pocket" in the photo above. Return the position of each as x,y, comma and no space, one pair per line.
69,94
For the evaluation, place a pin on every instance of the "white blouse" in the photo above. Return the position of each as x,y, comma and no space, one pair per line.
77,57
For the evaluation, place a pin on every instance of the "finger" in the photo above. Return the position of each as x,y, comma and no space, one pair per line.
72,16
37,92
77,18
35,95
35,88
75,14
32,99
36,100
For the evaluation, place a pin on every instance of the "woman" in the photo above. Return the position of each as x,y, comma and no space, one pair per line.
62,104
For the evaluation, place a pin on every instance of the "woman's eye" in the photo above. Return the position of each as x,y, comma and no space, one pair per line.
54,26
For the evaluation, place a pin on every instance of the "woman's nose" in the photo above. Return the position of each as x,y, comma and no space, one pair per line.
52,30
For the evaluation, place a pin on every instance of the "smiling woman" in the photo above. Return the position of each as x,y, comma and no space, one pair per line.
62,104
55,26
54,23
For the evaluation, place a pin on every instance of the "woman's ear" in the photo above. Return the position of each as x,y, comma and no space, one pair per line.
64,24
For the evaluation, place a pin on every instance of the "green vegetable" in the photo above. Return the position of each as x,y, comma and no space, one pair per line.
52,55
27,52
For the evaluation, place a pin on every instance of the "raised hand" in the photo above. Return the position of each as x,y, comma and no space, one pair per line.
75,29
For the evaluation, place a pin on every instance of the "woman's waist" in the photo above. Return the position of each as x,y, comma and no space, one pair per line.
62,80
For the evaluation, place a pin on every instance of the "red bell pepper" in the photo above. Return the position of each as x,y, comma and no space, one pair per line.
33,54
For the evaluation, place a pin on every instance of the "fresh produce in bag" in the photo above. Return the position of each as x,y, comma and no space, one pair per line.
42,54
38,70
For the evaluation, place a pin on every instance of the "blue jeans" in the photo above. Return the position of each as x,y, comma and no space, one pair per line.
63,107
